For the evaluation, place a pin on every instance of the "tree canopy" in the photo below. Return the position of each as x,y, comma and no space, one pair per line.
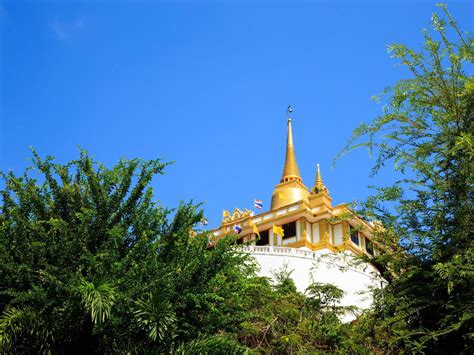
90,263
426,131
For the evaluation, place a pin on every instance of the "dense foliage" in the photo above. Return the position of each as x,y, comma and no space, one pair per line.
427,131
282,320
90,264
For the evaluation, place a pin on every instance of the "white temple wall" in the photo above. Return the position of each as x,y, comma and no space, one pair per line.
340,269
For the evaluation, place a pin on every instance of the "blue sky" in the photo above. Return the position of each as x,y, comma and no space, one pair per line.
204,84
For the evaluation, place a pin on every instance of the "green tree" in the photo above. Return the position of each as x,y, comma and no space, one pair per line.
89,263
284,321
427,131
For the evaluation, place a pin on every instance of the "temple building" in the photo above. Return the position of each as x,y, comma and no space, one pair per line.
308,236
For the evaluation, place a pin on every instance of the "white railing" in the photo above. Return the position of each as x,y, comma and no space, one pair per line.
270,250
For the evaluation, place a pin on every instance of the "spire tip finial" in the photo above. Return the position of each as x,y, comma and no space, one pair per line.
319,184
290,170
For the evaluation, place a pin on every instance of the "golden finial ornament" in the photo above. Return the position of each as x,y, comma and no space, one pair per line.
318,184
319,179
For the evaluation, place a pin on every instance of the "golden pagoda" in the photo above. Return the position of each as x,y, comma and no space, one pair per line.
300,217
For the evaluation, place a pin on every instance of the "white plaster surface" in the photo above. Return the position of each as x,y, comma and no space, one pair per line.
316,238
289,240
340,269
338,237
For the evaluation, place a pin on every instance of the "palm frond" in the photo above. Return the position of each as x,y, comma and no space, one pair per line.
18,325
156,315
98,299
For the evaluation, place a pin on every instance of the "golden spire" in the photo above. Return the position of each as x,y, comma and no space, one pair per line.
291,188
290,170
318,184
319,179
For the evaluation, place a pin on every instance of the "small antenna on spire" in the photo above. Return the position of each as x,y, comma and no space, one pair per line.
288,111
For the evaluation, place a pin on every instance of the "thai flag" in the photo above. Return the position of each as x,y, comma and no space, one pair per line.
258,204
237,228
